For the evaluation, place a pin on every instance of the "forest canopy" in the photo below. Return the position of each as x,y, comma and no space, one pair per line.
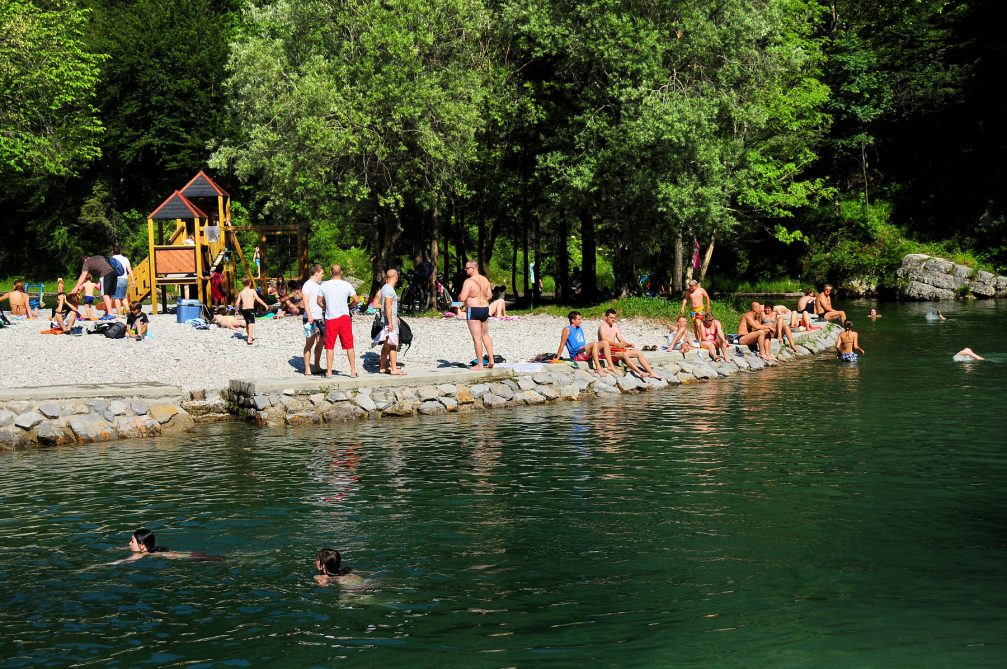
810,139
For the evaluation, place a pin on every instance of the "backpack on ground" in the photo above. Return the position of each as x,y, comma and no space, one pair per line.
113,330
405,335
117,266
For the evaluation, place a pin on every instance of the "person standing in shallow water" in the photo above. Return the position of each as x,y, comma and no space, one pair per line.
848,344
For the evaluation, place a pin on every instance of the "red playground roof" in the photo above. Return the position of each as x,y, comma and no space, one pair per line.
203,186
176,206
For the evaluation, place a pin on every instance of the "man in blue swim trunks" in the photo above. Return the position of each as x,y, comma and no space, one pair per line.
475,295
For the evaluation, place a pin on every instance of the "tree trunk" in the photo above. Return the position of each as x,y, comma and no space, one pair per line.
524,249
388,227
562,262
676,281
481,241
535,291
434,233
708,255
863,162
589,271
513,266
689,269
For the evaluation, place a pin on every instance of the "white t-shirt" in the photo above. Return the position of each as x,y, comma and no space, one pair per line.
125,264
337,294
311,290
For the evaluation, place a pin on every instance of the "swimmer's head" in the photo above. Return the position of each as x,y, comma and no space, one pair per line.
848,325
328,561
873,312
142,541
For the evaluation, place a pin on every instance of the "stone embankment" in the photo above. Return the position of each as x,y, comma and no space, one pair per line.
928,278
84,414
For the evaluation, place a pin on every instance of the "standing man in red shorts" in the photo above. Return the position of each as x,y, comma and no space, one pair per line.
337,297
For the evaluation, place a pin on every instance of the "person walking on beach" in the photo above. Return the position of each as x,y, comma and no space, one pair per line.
823,306
848,342
699,305
388,306
313,320
475,295
104,275
338,297
245,305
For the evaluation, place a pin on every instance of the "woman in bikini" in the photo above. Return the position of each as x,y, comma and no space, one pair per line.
848,344
18,300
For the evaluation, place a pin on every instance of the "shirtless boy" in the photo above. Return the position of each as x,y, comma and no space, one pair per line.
752,331
475,295
622,349
245,305
699,305
823,306
88,293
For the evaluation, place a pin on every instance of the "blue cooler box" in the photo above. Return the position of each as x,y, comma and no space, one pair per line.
186,309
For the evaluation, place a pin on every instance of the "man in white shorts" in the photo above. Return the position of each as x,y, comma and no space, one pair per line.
314,320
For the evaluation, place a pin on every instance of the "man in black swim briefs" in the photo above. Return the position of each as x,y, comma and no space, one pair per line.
475,295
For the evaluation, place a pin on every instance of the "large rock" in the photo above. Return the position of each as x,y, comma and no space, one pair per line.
89,428
502,390
6,418
54,433
432,407
341,412
27,421
162,413
933,279
13,438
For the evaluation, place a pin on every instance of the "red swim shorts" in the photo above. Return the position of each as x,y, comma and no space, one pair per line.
341,327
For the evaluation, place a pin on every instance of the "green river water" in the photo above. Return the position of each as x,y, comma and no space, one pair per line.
811,515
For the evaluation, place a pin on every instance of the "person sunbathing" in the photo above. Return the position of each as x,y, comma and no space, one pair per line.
622,349
580,350
498,307
823,306
18,300
780,328
715,337
753,334
223,320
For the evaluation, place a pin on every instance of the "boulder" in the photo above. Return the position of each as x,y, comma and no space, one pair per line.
401,408
464,395
138,407
502,390
6,418
260,402
548,392
12,438
526,383
447,389
27,421
366,403
427,393
50,409
88,428
302,418
432,407
340,412
337,396
54,433
494,401
450,403
162,413
530,397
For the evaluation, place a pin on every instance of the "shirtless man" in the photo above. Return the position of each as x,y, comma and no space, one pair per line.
847,343
622,349
475,295
695,296
752,331
823,306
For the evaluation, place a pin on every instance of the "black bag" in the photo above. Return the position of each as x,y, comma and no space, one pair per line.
115,331
405,335
377,326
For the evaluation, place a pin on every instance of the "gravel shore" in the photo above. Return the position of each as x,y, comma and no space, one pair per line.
181,355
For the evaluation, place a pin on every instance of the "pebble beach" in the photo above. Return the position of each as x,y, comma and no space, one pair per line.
184,356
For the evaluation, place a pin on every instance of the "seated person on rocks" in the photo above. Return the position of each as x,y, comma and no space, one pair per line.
753,334
680,337
622,349
137,321
781,329
224,320
580,350
823,306
715,337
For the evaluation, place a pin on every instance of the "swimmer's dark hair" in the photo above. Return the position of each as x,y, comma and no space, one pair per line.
572,315
145,538
330,559
848,325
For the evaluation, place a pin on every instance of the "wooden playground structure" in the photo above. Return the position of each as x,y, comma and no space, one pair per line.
202,244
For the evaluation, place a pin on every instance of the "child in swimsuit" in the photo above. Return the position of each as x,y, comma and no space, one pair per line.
87,290
331,572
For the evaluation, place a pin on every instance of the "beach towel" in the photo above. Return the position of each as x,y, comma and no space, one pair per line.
198,323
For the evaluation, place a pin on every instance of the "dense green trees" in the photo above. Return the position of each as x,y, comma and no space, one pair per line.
519,132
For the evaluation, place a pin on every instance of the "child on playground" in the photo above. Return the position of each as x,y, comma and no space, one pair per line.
245,304
87,290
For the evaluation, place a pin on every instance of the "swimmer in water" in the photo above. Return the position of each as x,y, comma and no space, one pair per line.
967,355
873,314
331,572
940,316
143,543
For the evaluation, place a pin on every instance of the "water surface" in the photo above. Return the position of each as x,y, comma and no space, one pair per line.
810,515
